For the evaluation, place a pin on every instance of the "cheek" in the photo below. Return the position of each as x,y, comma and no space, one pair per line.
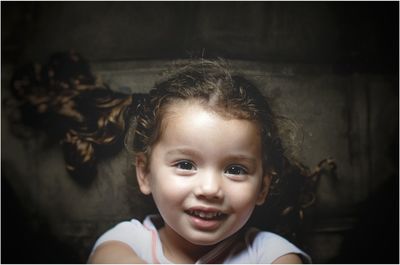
243,198
168,189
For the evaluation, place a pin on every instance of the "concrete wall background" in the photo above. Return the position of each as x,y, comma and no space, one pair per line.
332,68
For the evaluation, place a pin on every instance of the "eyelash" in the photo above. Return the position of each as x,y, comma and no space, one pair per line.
189,166
242,169
179,164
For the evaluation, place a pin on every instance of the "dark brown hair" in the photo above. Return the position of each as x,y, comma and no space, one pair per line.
211,84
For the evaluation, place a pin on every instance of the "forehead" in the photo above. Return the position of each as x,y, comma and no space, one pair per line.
190,123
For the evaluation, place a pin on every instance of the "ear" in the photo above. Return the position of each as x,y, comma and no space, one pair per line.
264,189
143,174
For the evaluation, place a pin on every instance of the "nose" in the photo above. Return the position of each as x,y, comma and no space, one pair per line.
209,186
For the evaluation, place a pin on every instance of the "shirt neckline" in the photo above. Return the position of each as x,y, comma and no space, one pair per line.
155,222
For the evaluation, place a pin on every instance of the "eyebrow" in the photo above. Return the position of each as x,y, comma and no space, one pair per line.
191,152
243,157
183,151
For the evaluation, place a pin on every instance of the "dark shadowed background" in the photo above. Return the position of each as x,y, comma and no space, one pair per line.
331,67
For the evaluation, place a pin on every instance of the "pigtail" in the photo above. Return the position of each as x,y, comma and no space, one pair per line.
64,99
290,206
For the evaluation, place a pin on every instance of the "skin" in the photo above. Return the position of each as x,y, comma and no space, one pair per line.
114,252
206,162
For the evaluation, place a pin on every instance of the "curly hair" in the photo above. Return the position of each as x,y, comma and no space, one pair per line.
210,84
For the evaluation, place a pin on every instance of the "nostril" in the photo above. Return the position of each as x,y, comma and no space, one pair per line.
209,194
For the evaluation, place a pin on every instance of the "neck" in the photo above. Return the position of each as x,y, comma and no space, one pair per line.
179,250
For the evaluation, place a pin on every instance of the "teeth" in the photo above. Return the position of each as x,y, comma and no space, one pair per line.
205,215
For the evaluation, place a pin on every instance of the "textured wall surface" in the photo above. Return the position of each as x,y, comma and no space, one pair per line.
329,67
323,105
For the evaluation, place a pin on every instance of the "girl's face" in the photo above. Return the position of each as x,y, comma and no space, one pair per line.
205,174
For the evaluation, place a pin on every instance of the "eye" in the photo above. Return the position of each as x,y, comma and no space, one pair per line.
185,165
236,170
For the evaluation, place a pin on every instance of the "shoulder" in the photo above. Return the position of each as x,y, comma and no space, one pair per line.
114,252
272,248
124,231
129,239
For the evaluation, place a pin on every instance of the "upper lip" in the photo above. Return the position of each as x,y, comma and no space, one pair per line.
205,209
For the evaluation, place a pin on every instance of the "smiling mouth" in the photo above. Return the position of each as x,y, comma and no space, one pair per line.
207,215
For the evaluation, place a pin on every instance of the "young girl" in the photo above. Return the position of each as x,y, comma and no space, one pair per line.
208,151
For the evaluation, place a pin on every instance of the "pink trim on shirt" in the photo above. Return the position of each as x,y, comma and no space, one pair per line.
153,245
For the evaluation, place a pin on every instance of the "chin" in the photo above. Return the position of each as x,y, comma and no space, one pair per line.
205,240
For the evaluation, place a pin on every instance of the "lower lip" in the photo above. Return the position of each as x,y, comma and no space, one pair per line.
203,224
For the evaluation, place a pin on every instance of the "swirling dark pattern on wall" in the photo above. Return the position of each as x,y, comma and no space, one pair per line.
64,99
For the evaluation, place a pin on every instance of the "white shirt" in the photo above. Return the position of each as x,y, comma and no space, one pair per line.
254,247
